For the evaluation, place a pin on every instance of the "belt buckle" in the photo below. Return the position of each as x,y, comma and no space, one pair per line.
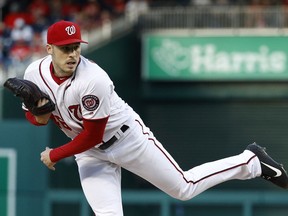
114,138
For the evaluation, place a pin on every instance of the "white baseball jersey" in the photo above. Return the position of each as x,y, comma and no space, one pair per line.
88,94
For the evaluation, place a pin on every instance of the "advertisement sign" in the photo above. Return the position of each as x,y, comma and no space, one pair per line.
215,58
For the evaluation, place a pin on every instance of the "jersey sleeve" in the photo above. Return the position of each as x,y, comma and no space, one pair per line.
84,141
95,98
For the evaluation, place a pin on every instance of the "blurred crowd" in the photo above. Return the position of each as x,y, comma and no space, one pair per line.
24,23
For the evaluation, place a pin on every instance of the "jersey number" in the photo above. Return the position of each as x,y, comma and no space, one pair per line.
74,110
60,122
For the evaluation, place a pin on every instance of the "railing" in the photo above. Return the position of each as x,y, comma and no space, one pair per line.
215,17
247,200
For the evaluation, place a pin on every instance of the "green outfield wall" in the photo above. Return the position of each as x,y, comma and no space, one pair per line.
23,178
8,167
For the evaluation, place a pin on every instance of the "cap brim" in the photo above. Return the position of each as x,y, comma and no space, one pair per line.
70,41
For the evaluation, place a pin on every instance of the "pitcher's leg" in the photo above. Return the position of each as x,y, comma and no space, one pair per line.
101,183
243,166
151,161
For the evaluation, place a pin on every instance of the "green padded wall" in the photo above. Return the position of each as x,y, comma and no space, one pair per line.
31,175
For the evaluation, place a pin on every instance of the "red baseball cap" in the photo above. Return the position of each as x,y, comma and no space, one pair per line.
63,33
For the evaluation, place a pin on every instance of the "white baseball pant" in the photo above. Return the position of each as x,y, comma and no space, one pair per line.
138,151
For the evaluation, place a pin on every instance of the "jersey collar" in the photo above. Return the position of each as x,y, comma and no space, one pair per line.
58,80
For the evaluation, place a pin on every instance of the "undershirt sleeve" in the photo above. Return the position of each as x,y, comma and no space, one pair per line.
91,135
31,118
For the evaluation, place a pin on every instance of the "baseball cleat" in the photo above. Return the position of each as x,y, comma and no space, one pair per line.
271,170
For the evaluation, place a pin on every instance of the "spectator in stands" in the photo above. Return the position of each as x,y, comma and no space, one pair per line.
118,8
37,47
255,18
39,10
69,9
40,6
20,55
1,52
6,43
201,2
40,21
134,8
56,10
115,7
21,31
15,12
20,51
91,15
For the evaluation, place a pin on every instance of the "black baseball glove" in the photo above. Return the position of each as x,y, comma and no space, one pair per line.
30,94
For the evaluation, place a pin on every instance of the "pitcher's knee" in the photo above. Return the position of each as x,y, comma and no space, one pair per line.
184,195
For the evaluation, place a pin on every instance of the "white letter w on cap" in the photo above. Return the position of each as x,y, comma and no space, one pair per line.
70,30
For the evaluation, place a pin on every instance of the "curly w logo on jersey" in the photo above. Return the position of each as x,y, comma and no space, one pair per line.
90,102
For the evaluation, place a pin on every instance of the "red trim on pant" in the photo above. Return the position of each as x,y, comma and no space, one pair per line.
181,172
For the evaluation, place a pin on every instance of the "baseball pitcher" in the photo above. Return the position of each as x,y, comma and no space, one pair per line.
107,134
